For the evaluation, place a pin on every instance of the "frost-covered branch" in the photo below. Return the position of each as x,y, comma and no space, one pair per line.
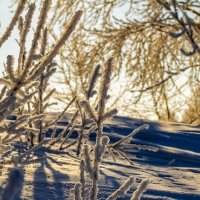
122,190
13,22
139,191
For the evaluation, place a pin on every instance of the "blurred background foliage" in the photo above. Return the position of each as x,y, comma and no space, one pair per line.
152,78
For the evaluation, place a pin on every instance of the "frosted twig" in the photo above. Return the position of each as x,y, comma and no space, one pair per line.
25,29
122,190
10,68
141,188
82,177
93,79
66,137
77,192
109,114
13,22
86,105
145,126
40,24
87,160
62,113
67,32
105,83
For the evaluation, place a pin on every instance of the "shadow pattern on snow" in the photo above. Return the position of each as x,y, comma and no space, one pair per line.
43,186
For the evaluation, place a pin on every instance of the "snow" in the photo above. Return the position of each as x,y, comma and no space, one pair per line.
168,154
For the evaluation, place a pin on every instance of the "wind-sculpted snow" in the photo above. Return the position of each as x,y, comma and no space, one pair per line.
157,154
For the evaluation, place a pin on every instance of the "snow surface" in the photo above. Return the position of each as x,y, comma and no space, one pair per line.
168,154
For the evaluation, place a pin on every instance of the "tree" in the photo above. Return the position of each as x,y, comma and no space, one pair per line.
142,40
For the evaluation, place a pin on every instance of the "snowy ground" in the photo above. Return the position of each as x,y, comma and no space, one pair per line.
171,162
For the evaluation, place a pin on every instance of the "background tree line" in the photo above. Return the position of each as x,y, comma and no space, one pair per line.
155,78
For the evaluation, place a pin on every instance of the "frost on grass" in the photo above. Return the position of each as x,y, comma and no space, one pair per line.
139,191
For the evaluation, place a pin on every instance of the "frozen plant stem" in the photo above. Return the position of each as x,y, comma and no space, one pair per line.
122,190
141,188
105,82
95,177
40,24
77,192
13,22
82,178
41,86
53,52
25,27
